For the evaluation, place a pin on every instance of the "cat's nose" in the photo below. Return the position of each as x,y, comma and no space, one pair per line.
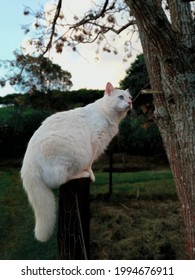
130,103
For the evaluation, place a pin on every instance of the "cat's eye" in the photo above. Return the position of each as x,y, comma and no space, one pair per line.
121,97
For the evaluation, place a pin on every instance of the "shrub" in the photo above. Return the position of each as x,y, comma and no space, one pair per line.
16,128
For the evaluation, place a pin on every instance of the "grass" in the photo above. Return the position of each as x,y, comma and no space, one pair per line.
141,220
17,222
145,185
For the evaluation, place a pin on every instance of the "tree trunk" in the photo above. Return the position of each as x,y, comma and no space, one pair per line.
167,47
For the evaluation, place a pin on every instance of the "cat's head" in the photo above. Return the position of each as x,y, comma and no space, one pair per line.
117,99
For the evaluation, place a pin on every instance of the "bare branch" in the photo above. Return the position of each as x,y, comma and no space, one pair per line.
58,9
90,16
118,31
111,15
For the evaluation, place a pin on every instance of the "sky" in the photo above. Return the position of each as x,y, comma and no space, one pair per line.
87,71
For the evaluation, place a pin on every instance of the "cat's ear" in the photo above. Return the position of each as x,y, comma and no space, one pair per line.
109,88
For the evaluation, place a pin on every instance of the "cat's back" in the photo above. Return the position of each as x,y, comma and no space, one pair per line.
73,118
63,118
73,123
61,121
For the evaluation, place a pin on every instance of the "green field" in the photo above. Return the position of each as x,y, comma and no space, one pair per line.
141,220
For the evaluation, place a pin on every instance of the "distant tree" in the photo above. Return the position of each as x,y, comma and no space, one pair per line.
138,137
139,133
136,76
16,128
30,74
135,80
9,99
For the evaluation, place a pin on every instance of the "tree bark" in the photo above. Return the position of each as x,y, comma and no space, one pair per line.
167,46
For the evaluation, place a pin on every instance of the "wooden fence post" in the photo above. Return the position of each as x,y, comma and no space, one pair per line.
74,220
110,172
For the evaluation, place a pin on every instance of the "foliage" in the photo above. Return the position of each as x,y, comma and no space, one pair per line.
84,96
139,133
17,126
18,123
9,99
136,76
54,100
135,80
136,138
31,73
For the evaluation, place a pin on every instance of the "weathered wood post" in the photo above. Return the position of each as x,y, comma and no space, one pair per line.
110,172
74,220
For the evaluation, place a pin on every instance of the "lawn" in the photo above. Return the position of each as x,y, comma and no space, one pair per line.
141,220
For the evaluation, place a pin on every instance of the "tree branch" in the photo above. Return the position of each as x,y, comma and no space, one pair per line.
118,31
94,24
90,16
58,9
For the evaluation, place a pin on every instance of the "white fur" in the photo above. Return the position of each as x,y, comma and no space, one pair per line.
65,147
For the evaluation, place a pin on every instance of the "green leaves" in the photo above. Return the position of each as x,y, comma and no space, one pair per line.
31,73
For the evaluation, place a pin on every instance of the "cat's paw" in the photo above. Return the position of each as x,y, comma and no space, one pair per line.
83,174
92,176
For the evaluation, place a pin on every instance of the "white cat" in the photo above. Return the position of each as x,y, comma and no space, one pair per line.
64,148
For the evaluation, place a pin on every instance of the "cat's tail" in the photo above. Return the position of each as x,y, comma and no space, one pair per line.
43,203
